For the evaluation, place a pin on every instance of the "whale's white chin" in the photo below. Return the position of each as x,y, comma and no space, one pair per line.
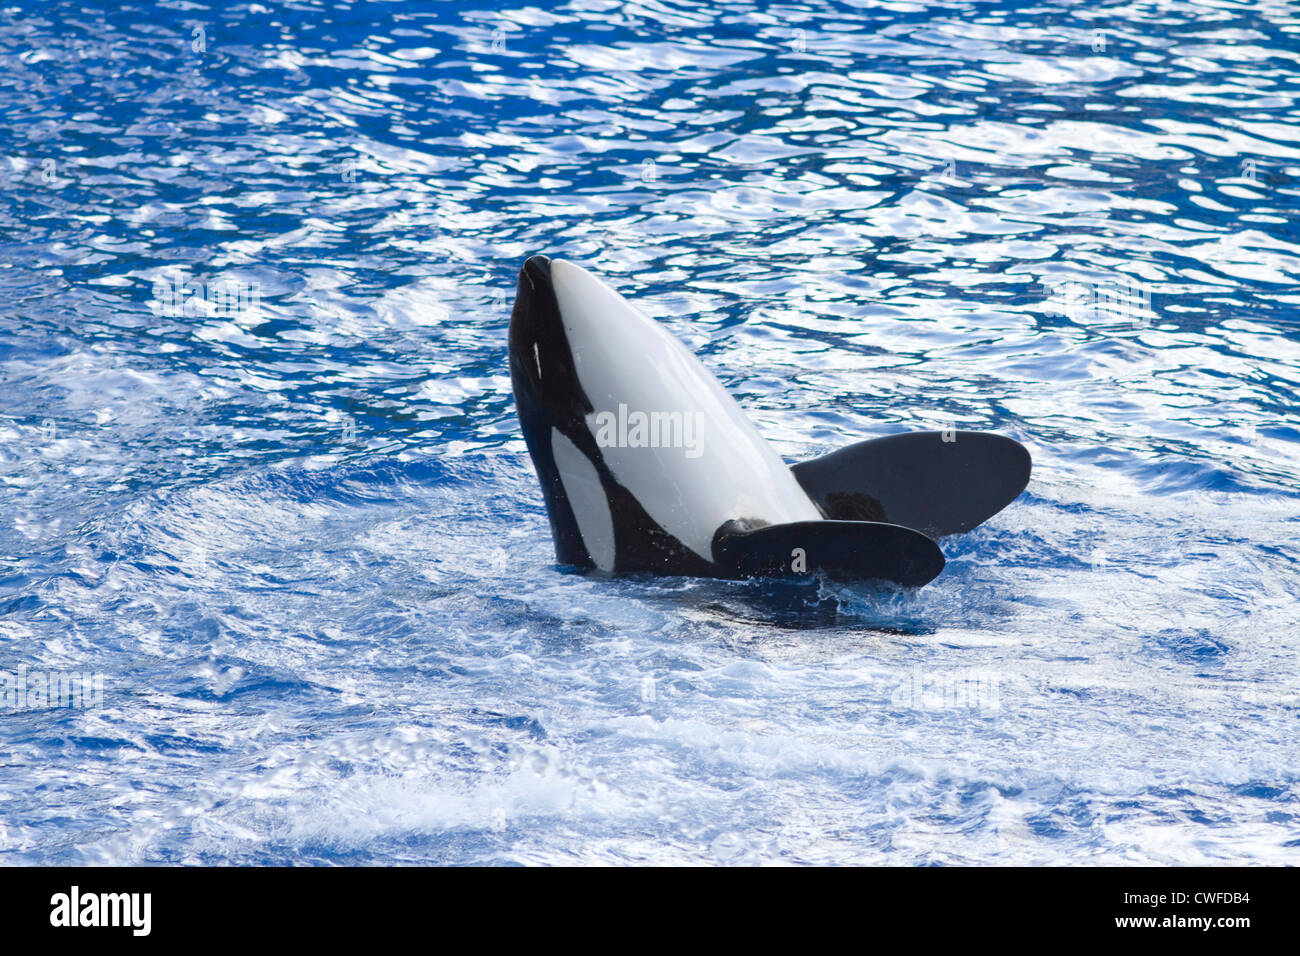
668,431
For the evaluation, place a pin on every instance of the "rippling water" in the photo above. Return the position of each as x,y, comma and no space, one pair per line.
287,514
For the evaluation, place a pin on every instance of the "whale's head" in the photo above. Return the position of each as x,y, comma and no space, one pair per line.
617,412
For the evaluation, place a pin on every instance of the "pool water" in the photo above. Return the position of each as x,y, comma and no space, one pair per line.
262,475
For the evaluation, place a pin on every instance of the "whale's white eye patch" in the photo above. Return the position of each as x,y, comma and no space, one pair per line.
586,498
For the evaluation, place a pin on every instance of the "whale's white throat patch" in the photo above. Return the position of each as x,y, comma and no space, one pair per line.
587,499
633,370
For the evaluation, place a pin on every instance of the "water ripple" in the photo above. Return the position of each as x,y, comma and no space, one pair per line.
291,521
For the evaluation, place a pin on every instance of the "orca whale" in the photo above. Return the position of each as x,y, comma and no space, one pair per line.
647,465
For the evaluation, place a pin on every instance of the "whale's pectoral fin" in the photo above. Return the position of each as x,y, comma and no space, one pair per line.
843,549
937,482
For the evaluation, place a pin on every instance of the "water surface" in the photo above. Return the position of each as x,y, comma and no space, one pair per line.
300,537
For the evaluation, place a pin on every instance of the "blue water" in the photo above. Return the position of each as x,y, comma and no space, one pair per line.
302,543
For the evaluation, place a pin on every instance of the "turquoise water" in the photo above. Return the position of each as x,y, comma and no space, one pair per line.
262,473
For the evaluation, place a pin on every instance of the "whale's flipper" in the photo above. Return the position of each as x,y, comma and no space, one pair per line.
853,549
919,480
